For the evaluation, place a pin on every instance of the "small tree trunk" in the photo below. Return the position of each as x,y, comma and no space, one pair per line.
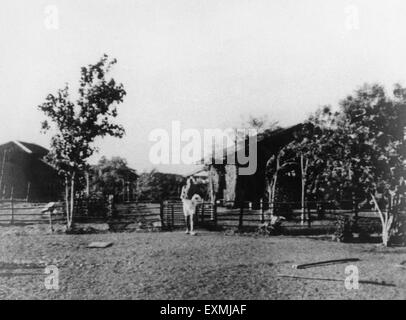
2,169
67,202
386,222
302,216
275,179
272,186
270,202
384,238
303,169
72,198
270,193
87,183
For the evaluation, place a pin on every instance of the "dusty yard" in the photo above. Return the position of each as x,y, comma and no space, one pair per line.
172,265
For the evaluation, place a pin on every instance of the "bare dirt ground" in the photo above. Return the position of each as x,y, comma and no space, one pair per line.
172,265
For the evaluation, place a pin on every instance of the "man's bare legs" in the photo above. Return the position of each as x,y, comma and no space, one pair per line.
191,226
187,224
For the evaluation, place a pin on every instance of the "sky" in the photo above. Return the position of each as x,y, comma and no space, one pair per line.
204,63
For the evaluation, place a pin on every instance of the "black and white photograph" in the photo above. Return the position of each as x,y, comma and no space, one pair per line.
203,150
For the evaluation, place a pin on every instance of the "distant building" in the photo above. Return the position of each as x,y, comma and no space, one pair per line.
225,182
24,174
200,175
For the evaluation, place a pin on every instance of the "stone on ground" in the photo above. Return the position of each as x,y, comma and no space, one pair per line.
100,244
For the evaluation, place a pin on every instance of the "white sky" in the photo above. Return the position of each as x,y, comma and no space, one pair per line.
204,63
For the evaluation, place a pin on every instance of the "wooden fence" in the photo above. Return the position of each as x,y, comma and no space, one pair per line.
172,215
320,216
17,211
21,212
169,214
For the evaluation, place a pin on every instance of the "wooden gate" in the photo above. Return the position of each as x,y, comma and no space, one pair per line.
172,215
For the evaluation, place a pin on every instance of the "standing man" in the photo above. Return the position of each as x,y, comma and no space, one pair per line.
186,196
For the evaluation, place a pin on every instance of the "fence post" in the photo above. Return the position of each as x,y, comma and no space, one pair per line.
161,213
173,216
309,218
215,213
28,191
50,220
12,205
261,207
240,223
202,218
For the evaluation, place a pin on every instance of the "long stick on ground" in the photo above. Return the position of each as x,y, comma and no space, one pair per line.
323,263
337,280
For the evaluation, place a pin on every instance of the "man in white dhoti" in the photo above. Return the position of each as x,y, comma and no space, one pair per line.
189,205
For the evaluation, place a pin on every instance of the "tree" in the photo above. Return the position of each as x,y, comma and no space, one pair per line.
375,150
112,177
277,164
77,123
261,123
305,151
158,186
361,151
263,127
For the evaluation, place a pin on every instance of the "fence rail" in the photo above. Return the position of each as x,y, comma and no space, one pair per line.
169,214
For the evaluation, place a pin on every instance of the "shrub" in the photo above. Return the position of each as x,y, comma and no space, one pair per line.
398,232
343,231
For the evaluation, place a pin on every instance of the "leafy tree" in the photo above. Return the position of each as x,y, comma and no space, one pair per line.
260,123
277,164
375,150
158,186
77,123
304,152
360,151
112,177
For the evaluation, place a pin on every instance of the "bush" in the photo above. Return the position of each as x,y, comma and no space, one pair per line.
344,226
398,232
271,228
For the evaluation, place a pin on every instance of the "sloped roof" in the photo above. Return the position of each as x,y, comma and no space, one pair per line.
278,137
200,172
30,148
35,148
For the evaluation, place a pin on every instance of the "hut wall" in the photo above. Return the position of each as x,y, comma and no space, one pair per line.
231,176
214,183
